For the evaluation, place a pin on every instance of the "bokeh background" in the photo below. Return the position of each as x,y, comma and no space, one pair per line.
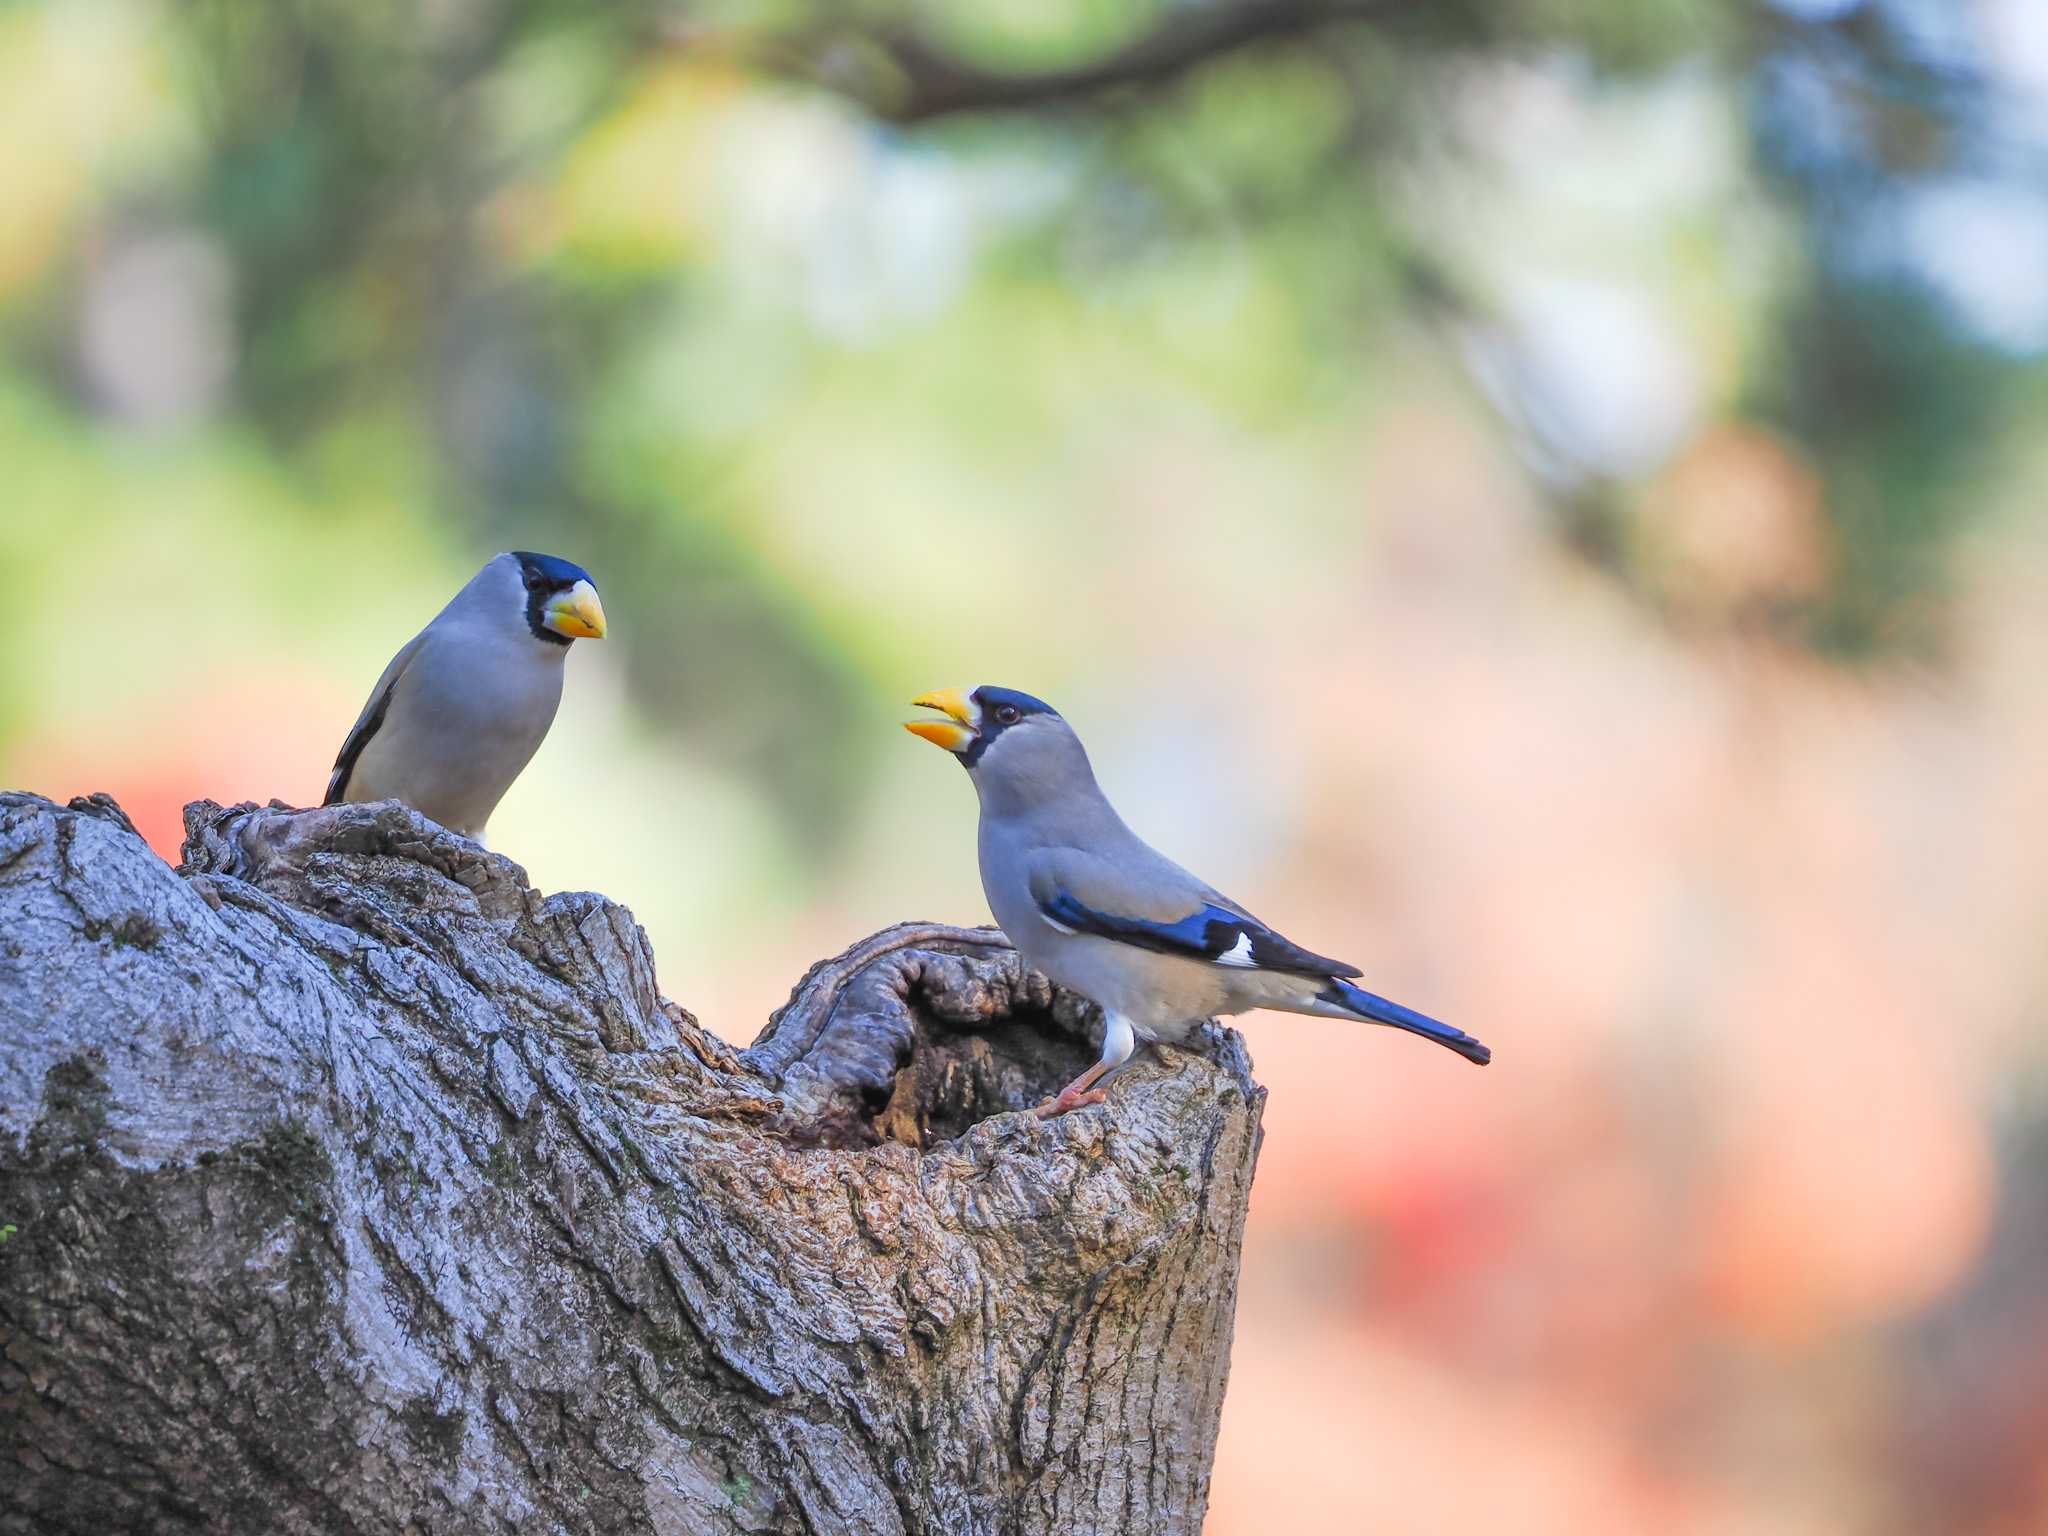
1539,497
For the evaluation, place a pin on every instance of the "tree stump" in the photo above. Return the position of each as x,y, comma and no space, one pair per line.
348,1184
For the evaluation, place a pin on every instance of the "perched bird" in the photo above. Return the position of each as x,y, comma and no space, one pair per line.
1090,904
462,709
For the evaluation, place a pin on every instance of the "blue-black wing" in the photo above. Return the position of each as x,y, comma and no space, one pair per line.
1211,933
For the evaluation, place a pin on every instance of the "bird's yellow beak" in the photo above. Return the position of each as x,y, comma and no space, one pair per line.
955,734
575,613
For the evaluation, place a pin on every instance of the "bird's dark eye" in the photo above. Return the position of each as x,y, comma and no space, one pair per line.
1006,714
534,580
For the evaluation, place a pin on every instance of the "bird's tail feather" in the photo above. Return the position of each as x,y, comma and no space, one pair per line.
1340,999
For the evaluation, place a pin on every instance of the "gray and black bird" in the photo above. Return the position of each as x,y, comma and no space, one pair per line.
461,710
1090,904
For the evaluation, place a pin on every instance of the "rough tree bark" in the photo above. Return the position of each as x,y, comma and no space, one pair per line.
347,1184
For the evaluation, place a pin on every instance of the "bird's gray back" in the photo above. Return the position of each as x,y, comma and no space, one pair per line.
1100,861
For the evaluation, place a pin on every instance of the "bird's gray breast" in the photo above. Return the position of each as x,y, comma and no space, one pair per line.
1005,881
465,719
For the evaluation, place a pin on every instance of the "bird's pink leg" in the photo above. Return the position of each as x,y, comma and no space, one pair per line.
1119,1039
1075,1095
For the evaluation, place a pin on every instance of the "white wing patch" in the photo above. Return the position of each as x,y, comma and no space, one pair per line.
1239,953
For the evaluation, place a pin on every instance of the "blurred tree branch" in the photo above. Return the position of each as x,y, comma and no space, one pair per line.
900,74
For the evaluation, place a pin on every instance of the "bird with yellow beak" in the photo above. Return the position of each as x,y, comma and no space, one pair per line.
461,710
1091,905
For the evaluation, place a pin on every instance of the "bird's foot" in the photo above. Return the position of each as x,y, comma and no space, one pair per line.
1069,1101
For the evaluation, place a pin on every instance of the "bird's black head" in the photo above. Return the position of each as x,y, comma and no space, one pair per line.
978,716
561,599
1001,708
